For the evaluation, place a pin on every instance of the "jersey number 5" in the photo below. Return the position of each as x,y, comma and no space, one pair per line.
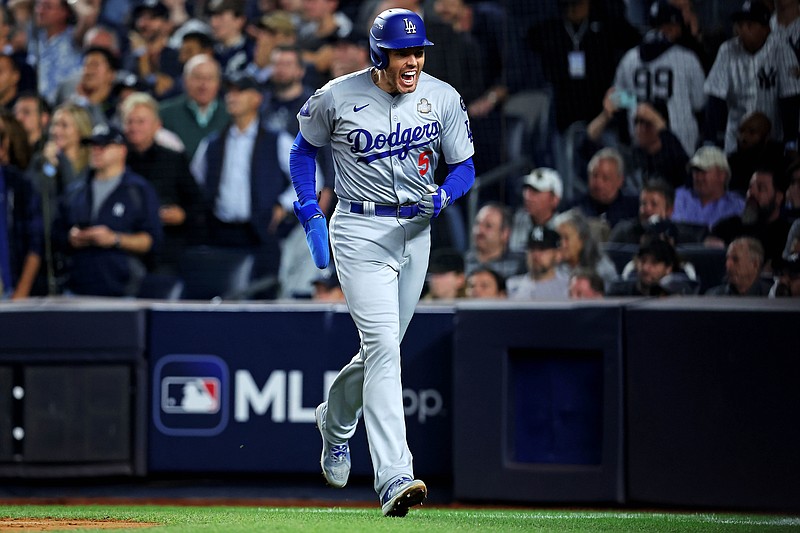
424,162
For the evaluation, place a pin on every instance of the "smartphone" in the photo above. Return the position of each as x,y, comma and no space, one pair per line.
624,99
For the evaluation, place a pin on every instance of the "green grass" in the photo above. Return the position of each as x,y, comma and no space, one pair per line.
174,519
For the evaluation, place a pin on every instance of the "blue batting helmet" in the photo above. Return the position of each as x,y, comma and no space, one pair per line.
394,29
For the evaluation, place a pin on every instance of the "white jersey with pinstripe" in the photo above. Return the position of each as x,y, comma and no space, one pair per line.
675,77
753,82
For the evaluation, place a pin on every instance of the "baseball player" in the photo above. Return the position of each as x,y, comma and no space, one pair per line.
388,126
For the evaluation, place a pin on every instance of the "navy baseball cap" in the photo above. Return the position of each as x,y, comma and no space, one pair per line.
662,12
753,10
542,238
445,260
103,135
242,82
154,7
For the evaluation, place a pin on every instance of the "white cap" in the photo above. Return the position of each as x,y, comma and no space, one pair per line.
544,179
708,157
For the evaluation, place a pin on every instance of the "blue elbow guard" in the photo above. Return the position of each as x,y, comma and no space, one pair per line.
316,228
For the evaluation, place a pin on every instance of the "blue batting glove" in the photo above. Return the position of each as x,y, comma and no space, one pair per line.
316,227
431,204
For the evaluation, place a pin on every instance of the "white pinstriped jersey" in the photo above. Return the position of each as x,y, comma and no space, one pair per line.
753,82
676,77
385,147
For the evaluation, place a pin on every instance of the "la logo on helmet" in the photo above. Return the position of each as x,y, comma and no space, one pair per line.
410,27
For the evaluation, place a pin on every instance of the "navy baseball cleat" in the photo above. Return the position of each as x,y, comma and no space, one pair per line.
335,460
401,494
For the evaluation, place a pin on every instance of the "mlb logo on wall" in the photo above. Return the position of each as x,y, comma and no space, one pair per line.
189,395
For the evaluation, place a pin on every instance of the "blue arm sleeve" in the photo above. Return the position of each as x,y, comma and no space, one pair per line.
459,180
303,168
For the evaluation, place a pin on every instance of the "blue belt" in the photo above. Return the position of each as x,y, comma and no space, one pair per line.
382,210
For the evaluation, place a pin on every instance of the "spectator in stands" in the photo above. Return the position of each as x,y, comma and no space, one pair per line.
108,224
488,25
761,217
743,263
233,49
200,111
491,231
791,208
579,248
641,72
446,279
605,199
542,190
151,58
787,278
586,284
181,203
269,31
657,273
322,24
486,283
350,54
656,205
194,43
21,246
16,150
656,151
55,50
33,113
64,158
286,95
579,52
754,150
9,81
708,200
242,170
327,287
95,88
753,72
543,279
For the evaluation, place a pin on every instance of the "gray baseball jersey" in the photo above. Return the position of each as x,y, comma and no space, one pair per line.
676,77
385,150
753,82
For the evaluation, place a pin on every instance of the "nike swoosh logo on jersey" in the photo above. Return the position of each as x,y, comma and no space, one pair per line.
356,108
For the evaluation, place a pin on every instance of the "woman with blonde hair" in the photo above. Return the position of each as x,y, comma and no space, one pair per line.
63,157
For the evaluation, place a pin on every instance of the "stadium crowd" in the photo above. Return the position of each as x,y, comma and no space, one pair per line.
144,146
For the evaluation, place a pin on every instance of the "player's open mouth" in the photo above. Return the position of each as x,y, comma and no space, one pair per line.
408,77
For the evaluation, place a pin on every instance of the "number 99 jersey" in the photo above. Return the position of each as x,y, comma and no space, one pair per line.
386,147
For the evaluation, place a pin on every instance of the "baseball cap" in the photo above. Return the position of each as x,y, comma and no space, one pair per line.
707,157
277,22
242,81
662,12
753,10
445,260
155,7
542,238
103,135
544,179
220,6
